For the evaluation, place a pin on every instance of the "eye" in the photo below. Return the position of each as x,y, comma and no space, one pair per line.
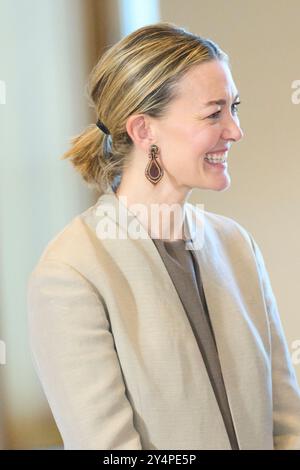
217,114
235,106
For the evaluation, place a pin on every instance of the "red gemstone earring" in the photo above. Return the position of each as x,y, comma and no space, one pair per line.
153,171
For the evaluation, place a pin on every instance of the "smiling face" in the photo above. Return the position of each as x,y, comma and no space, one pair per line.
191,128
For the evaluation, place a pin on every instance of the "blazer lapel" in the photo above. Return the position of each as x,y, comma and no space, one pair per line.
244,371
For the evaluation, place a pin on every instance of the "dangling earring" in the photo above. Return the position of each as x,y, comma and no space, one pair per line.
153,171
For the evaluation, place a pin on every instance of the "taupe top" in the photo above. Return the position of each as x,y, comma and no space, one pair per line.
184,271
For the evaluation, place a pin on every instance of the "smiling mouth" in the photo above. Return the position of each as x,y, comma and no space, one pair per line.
216,157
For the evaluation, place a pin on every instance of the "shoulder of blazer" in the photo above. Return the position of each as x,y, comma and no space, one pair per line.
223,226
71,241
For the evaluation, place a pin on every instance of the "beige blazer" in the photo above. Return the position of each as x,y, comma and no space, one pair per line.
116,354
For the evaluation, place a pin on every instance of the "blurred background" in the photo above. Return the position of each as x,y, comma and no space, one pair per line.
47,49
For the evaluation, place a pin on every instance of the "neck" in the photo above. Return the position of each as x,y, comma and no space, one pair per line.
160,209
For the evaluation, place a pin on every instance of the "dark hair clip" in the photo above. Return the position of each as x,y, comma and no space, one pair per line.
102,127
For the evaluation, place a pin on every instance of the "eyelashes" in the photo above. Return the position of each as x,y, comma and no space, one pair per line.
217,114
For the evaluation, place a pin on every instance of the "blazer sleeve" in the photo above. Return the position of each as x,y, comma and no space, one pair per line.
286,393
74,355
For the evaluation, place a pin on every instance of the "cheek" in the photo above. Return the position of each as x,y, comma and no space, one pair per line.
182,150
208,139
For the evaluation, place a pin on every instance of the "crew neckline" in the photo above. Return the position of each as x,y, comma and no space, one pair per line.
165,240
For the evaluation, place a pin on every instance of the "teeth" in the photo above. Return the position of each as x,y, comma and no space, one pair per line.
216,158
220,155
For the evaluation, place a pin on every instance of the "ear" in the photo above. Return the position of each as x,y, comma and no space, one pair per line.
139,128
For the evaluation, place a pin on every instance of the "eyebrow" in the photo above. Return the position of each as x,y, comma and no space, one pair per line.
221,101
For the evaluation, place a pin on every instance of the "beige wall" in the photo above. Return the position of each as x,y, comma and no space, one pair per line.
263,41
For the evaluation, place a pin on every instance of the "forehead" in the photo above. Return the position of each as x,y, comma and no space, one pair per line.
208,81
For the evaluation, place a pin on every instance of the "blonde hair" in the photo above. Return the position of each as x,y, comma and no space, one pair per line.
137,75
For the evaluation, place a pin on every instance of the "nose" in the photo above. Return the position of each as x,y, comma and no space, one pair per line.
232,130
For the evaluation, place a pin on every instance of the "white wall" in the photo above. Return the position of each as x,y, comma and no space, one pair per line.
47,48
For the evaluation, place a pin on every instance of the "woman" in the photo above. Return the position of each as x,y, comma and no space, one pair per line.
149,332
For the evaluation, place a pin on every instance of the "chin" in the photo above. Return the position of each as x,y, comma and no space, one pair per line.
224,187
221,185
